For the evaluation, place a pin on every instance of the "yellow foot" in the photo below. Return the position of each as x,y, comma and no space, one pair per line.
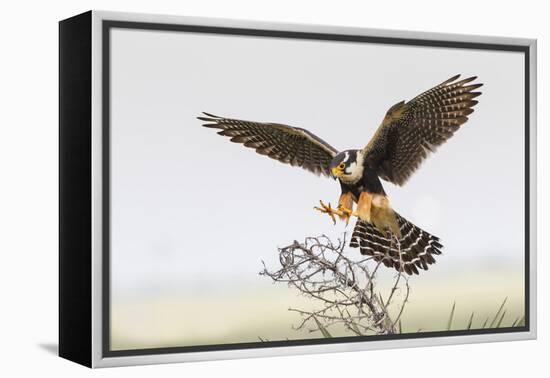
346,213
327,209
341,211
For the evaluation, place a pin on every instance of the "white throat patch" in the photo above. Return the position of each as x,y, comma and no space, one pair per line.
353,171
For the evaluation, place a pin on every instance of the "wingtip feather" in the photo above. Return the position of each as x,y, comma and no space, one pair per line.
450,80
210,115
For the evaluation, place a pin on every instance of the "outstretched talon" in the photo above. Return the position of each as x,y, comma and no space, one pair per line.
342,212
327,209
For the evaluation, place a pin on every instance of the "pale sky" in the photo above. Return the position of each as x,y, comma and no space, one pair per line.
192,212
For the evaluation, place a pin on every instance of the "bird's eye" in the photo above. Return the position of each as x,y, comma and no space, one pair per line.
342,166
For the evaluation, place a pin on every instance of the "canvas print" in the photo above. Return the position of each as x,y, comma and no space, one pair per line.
380,193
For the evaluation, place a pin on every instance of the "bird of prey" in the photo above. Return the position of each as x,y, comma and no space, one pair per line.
408,133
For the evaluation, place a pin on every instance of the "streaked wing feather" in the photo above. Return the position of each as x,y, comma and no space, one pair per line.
411,130
287,144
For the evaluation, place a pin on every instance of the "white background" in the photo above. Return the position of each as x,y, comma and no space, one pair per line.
28,201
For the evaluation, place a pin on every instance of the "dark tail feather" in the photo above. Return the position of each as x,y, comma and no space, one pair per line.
415,250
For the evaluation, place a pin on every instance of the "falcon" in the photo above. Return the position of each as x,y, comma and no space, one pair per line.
409,132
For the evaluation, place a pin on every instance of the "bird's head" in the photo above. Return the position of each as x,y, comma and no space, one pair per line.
347,166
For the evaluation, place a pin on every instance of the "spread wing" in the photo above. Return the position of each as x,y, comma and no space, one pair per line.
290,145
411,130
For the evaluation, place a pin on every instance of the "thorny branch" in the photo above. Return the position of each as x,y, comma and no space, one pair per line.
344,289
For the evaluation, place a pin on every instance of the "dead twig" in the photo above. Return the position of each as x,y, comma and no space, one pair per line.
344,289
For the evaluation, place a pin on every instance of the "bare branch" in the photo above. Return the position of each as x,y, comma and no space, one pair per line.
344,289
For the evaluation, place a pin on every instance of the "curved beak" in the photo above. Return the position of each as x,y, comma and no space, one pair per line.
337,172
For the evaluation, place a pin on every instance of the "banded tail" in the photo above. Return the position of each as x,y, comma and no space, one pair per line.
415,249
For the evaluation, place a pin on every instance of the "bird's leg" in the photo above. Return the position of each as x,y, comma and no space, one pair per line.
383,216
342,212
345,205
364,206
